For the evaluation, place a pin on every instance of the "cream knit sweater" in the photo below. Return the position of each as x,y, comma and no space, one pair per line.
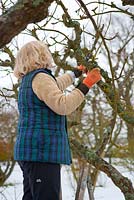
52,93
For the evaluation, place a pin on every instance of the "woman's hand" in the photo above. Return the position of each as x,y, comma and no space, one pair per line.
92,78
79,70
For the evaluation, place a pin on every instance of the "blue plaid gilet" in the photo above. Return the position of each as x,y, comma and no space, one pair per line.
42,134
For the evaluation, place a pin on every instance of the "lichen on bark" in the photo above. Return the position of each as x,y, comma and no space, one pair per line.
92,158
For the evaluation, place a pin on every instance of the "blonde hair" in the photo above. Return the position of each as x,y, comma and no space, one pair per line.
31,56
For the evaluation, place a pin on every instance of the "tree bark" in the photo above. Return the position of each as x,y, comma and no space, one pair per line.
19,16
82,182
130,137
128,2
91,157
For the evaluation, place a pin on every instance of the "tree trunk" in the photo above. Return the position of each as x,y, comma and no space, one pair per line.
19,16
90,185
82,182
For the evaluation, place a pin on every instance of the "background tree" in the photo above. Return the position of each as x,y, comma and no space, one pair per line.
8,120
92,36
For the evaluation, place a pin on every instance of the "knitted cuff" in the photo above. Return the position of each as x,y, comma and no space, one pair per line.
83,88
77,72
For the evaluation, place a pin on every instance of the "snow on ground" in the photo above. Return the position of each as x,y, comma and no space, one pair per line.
105,190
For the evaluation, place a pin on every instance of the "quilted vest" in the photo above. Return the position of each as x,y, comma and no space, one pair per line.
42,133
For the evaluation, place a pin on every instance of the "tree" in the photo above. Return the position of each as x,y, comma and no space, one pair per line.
17,17
7,138
127,2
75,46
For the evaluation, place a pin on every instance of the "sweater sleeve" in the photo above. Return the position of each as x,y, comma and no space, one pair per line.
47,90
64,81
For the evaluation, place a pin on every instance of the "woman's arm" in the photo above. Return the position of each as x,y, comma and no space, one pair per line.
64,81
47,90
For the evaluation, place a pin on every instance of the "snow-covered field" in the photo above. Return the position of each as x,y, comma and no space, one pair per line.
105,190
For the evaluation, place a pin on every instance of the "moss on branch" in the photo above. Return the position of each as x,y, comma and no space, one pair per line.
91,157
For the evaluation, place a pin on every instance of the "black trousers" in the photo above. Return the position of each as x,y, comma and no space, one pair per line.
41,181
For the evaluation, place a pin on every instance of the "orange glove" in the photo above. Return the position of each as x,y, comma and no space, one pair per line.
82,68
93,77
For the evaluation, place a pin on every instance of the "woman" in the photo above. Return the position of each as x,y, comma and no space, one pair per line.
42,141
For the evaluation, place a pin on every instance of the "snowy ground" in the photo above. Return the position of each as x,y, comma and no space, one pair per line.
106,190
